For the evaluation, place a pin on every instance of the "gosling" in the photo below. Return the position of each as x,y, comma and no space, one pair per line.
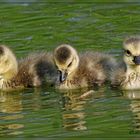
83,70
28,72
127,75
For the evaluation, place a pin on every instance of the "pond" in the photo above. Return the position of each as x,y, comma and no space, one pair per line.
48,112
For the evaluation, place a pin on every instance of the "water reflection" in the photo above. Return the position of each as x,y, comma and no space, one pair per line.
134,96
21,113
10,108
32,99
10,103
74,111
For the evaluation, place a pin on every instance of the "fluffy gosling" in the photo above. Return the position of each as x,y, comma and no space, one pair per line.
127,75
83,70
27,72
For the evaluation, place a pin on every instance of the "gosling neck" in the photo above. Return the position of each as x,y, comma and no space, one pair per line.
72,74
7,77
133,69
3,82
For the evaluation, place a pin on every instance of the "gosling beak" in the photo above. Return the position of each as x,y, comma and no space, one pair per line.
136,60
62,76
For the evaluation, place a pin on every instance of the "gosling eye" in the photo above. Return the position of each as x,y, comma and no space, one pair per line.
128,53
69,64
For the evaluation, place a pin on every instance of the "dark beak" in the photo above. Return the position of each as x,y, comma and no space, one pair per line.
62,76
136,60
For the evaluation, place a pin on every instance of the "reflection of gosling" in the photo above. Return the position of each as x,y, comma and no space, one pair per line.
134,98
86,69
128,74
28,72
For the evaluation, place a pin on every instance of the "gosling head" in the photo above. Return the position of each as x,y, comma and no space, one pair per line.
8,63
66,60
132,51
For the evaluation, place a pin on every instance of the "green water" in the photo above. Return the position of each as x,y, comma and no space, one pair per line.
47,112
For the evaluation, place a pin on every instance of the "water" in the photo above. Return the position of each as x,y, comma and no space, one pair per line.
47,112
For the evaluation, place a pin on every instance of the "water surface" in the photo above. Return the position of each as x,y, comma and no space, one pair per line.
47,112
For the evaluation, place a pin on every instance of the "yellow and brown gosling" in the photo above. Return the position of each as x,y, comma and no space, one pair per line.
127,75
81,70
27,72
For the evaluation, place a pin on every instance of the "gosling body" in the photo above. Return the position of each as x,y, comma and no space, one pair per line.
28,72
81,70
127,75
